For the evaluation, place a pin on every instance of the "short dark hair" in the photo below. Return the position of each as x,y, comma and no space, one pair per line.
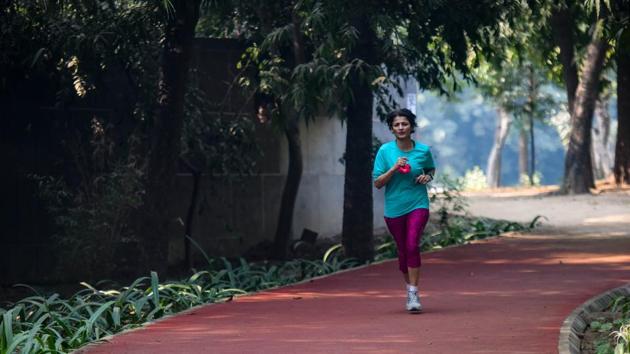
403,112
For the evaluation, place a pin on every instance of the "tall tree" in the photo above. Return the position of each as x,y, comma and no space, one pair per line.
578,168
292,133
358,211
582,89
621,29
493,171
563,27
602,156
523,152
614,16
397,42
532,92
272,69
622,148
512,79
182,17
356,51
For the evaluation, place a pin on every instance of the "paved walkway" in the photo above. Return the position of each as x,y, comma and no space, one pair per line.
504,295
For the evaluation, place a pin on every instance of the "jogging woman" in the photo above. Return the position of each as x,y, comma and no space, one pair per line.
404,167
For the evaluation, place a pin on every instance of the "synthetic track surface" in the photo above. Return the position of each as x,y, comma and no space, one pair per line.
504,295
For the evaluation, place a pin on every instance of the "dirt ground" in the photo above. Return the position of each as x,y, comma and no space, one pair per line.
608,210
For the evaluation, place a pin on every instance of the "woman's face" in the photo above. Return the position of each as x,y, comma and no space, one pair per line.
401,127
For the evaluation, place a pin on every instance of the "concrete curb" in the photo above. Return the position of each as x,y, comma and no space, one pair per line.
573,326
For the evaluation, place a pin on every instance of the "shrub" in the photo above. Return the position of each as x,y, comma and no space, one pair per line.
473,180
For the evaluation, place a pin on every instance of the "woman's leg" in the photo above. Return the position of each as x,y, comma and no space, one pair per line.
398,228
416,221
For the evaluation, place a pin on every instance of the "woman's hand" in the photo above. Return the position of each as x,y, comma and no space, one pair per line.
424,179
385,177
402,161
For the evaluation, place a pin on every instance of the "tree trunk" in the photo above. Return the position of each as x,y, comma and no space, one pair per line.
622,146
294,173
190,215
578,169
167,130
600,153
291,187
533,93
493,171
562,25
358,224
532,151
523,154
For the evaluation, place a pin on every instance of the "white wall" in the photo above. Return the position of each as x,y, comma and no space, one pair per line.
319,204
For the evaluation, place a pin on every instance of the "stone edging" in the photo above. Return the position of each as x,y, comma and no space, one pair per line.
574,325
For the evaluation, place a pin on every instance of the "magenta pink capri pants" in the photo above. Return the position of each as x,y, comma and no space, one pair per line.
407,231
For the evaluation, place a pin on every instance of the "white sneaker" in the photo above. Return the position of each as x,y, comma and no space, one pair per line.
413,302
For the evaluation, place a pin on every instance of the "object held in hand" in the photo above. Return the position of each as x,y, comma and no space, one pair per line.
404,169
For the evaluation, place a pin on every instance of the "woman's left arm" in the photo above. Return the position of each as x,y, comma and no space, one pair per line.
429,172
426,177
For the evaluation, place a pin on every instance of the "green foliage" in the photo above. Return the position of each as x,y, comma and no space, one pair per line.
445,196
79,45
614,330
386,250
461,230
95,63
213,141
474,179
39,324
454,226
376,144
102,57
623,339
517,75
93,219
536,178
417,40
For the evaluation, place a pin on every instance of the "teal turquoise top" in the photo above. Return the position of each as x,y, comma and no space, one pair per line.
402,193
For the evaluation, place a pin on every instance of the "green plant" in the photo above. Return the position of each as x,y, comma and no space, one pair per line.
536,178
39,324
386,250
454,225
473,179
462,229
623,339
621,305
101,208
446,198
614,331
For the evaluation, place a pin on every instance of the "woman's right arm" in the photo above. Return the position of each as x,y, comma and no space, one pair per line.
382,180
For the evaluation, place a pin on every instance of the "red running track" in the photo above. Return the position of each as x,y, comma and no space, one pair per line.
505,295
